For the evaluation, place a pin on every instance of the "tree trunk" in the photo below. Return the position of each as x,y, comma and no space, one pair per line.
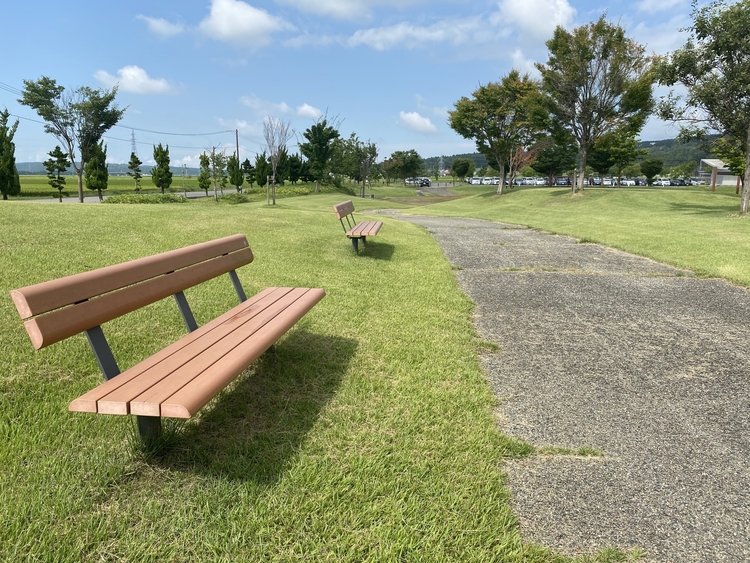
582,170
317,187
746,181
501,185
79,174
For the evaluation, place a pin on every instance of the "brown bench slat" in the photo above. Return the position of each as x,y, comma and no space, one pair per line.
88,401
365,229
44,297
343,209
62,323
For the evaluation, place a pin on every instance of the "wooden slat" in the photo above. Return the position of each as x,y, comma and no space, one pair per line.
47,296
193,396
365,229
117,401
343,209
88,401
149,403
62,323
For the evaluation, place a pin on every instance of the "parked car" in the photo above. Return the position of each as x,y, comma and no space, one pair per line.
661,182
676,182
424,182
627,182
562,181
641,182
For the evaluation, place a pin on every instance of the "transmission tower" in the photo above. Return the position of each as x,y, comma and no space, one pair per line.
133,147
441,165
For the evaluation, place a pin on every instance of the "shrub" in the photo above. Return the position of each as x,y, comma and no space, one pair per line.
135,198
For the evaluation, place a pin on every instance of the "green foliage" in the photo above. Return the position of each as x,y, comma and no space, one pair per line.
236,175
161,175
319,147
557,155
95,171
134,171
262,169
234,199
218,171
732,153
405,164
598,80
77,121
56,165
651,168
147,199
9,181
295,168
503,118
462,167
204,176
249,171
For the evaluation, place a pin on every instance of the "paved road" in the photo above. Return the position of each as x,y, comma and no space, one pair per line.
642,362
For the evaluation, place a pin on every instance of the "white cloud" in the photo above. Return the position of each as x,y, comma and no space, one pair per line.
524,65
162,27
406,34
306,110
663,37
263,107
437,111
134,79
416,122
240,23
537,17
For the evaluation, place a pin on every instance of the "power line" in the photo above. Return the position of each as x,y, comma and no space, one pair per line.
177,134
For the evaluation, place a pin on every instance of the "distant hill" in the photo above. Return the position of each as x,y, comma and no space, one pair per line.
37,168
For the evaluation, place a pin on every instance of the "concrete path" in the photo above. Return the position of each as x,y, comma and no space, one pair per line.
637,360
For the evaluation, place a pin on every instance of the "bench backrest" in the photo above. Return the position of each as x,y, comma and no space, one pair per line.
61,308
345,210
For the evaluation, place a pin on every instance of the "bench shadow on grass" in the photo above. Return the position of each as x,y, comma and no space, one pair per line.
377,250
254,429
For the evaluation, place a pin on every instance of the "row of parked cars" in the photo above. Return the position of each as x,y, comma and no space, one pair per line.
421,182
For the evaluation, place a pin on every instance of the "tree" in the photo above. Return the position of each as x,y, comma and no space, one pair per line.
282,169
218,171
276,134
500,117
236,176
249,171
10,183
134,167
714,66
406,164
598,80
295,168
358,159
557,156
262,169
461,166
161,175
56,165
204,177
732,153
319,148
651,168
78,120
95,170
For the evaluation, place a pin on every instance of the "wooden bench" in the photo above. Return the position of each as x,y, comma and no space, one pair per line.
355,231
183,377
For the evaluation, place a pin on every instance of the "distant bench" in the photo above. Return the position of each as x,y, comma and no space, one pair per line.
179,380
355,231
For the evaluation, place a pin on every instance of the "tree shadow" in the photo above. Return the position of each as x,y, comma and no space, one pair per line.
695,209
377,250
254,428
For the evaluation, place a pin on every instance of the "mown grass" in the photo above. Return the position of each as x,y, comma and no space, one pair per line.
691,228
367,436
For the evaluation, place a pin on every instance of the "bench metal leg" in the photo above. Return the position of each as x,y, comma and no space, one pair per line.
149,429
355,244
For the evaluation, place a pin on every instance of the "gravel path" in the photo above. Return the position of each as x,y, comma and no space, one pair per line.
635,359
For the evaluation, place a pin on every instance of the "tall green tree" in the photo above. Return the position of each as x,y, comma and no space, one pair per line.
218,171
57,164
249,171
406,164
295,168
10,183
282,168
732,152
461,166
236,176
598,80
96,172
134,171
204,176
557,156
714,66
161,175
262,169
318,149
77,120
651,168
501,117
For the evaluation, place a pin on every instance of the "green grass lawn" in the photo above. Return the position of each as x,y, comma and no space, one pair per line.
368,436
691,227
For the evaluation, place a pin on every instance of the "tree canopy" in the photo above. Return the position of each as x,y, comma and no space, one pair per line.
77,120
10,183
161,175
598,80
95,170
318,149
134,171
57,164
714,66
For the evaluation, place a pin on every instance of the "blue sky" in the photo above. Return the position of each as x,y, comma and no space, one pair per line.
387,69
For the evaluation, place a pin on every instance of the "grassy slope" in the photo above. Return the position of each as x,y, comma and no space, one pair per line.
691,228
368,436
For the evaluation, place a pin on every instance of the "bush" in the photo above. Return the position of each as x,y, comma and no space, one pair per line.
234,199
158,198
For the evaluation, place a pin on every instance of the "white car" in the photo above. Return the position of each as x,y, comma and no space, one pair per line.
627,182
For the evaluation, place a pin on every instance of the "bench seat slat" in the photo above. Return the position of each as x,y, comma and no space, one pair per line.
62,323
207,359
365,229
88,401
47,296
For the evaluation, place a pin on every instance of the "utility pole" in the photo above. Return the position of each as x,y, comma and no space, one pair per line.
237,141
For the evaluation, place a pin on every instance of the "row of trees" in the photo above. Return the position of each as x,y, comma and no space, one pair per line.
595,95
